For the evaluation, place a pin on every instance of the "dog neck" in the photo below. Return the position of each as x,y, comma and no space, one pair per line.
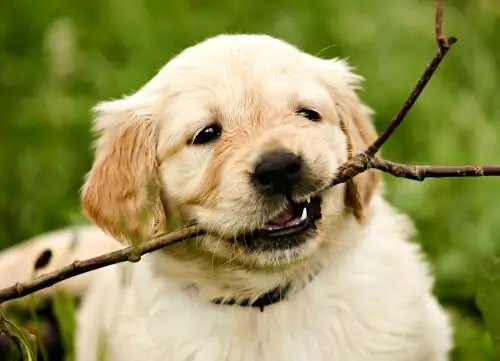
230,286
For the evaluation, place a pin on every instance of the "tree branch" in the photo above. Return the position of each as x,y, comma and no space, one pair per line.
358,164
444,45
367,160
129,254
421,172
442,41
362,162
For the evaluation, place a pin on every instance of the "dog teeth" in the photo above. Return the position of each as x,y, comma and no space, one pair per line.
308,199
303,217
271,227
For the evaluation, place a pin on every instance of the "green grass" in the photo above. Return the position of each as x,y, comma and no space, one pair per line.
58,58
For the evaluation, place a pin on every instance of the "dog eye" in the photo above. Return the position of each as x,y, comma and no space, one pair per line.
208,134
309,114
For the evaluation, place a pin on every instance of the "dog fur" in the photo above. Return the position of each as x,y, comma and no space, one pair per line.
360,289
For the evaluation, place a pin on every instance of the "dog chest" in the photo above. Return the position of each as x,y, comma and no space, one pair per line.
321,329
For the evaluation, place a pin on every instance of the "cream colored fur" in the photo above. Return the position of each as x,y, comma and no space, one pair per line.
371,295
66,245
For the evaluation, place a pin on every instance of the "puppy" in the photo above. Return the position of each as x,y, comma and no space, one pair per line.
242,134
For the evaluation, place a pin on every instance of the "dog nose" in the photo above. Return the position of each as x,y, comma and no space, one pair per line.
278,171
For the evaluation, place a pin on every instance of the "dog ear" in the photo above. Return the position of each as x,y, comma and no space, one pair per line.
361,134
356,122
121,193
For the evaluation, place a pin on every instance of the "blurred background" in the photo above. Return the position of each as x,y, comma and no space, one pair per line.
58,58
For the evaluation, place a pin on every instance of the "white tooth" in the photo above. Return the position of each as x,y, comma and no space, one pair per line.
308,199
303,217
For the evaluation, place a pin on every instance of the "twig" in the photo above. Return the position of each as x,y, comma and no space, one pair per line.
359,163
444,45
442,41
367,160
408,104
421,172
130,254
362,162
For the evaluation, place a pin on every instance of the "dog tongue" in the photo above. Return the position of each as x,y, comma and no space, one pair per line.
283,218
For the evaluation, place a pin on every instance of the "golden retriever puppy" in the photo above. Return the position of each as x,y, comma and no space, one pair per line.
242,134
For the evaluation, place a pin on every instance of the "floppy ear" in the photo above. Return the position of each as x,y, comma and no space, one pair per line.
361,134
121,193
356,122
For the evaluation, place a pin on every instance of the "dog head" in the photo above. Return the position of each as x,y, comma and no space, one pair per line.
242,134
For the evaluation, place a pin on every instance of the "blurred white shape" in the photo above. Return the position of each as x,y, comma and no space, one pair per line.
60,46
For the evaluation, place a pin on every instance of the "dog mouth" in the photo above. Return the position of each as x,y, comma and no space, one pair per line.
296,218
291,228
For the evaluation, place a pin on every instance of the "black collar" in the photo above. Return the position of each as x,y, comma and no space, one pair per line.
271,297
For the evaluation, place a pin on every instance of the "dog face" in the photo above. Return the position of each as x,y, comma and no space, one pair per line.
241,134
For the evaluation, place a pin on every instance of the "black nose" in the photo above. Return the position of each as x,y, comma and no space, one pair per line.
278,171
